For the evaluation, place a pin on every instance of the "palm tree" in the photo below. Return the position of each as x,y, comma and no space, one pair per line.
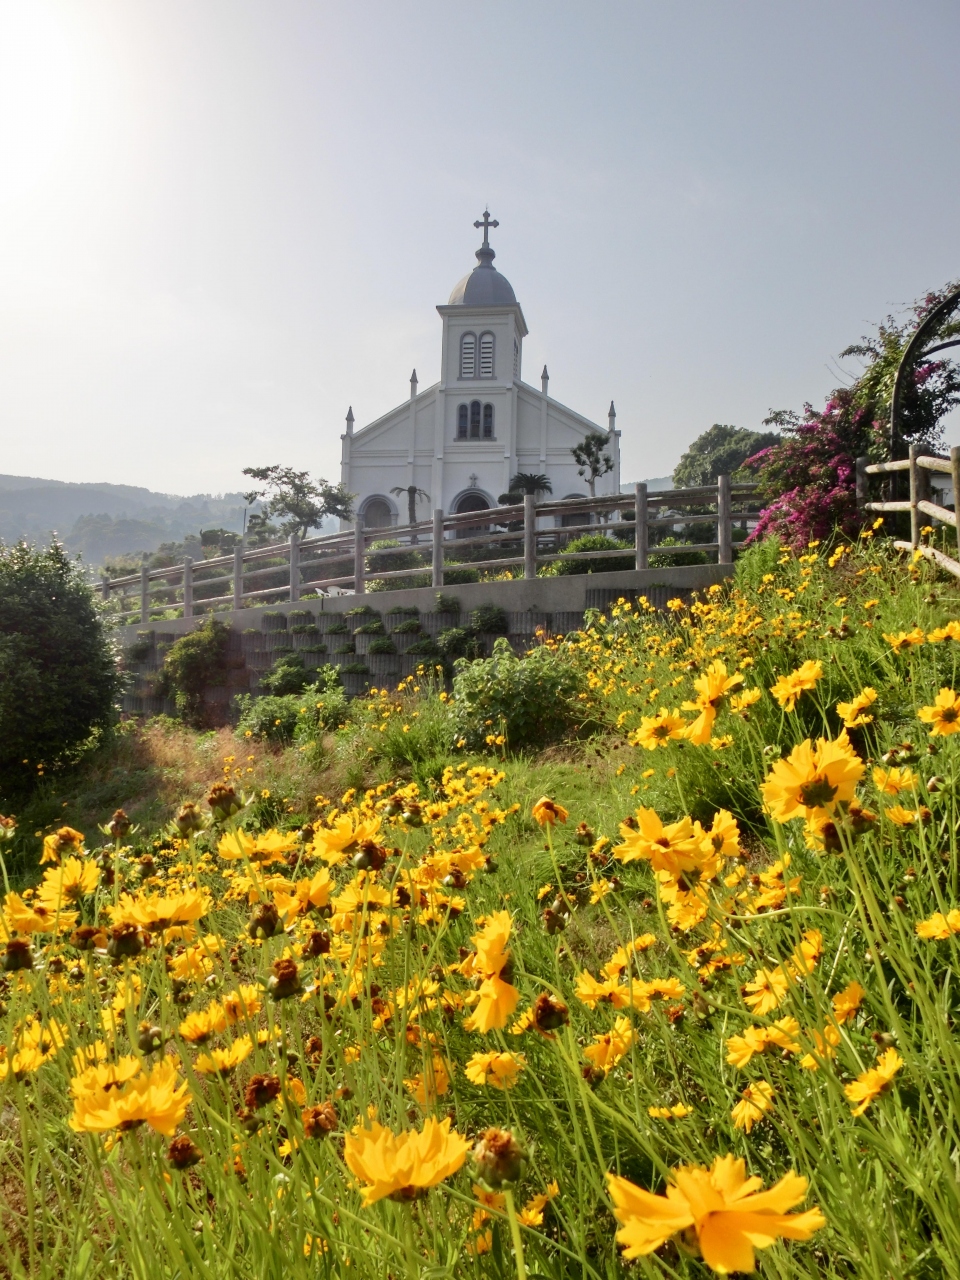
414,495
527,482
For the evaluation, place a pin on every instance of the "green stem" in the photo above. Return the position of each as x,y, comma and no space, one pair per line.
515,1235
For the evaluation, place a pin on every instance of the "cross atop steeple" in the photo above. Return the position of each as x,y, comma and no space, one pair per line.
486,223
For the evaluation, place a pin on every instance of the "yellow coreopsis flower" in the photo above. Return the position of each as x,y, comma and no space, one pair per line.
767,990
870,1084
607,1049
890,782
403,1166
846,1002
728,1213
244,1003
430,1084
34,917
546,812
61,842
344,837
498,998
67,883
200,1025
939,926
852,712
905,639
944,716
223,1062
813,780
756,1099
657,731
789,688
153,1099
269,846
674,848
501,1070
711,689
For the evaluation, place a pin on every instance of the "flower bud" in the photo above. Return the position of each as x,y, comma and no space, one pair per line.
499,1157
183,1153
124,941
261,1090
369,857
318,944
264,921
319,1120
285,979
119,825
223,801
149,1037
548,1013
17,955
189,819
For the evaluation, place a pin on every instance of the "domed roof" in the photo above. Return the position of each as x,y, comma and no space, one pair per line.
484,286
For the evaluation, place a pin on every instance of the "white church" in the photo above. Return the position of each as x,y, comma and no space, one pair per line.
462,440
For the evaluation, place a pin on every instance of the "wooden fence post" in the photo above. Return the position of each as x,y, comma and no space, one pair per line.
916,495
188,586
641,532
438,546
529,535
863,495
144,595
955,478
238,577
105,586
724,521
294,567
359,568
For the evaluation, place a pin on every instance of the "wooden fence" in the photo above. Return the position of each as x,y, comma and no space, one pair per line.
919,468
518,538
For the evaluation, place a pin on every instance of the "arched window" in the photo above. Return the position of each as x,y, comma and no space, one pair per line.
468,355
377,514
486,355
462,413
475,420
488,422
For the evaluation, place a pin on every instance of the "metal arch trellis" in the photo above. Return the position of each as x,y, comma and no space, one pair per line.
912,353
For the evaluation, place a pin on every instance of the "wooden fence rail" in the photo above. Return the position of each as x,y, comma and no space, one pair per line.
919,467
520,538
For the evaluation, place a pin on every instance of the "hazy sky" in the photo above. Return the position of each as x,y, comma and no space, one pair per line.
224,221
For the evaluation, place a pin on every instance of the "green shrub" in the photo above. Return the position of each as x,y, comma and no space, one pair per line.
322,708
595,542
407,609
682,557
532,701
272,718
58,671
362,610
338,629
456,577
193,664
382,644
447,604
410,627
427,647
369,629
355,669
272,620
458,642
491,619
297,618
287,675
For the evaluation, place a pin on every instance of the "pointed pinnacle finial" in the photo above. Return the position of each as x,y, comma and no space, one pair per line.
544,379
350,420
611,413
413,378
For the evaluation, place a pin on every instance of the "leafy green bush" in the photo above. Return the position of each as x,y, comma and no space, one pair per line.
193,664
427,647
369,629
272,718
595,542
447,604
409,610
357,668
58,672
287,675
458,642
382,644
491,619
456,577
338,629
409,627
682,557
532,700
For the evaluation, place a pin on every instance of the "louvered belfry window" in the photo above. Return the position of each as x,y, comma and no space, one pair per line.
468,355
486,355
488,422
462,422
475,420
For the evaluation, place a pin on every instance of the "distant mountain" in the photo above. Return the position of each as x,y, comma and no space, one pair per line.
100,521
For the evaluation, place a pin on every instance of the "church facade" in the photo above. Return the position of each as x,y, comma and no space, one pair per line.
462,440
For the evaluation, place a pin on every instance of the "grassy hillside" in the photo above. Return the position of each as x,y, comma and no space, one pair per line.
369,1005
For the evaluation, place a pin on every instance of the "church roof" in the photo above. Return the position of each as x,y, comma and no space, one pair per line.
484,286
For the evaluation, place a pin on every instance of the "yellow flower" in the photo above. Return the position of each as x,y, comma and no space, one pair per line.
767,990
35,917
500,1070
741,702
711,690
846,1002
607,1049
950,632
824,1046
944,716
200,1025
547,812
402,1166
102,1076
244,1003
728,1213
851,713
657,731
222,1062
870,1084
905,639
153,1099
676,1112
430,1084
262,849
344,837
69,882
906,817
789,688
152,912
813,780
66,840
497,997
675,848
939,926
890,782
756,1099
